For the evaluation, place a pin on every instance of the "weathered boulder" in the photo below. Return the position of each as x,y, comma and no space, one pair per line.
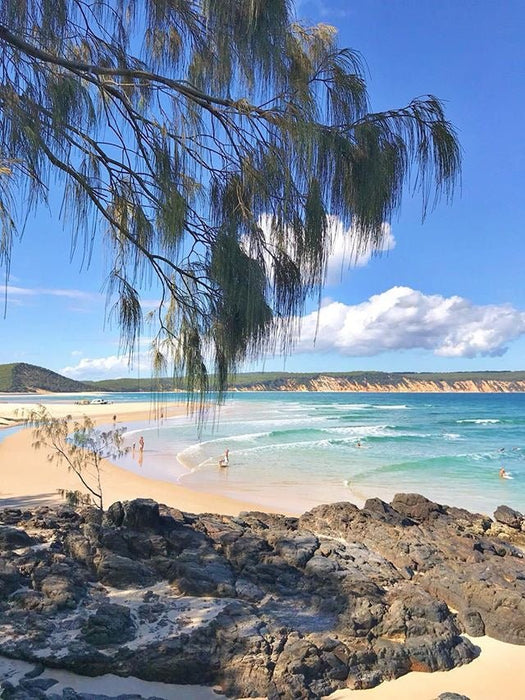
122,572
139,514
10,578
13,538
110,624
416,506
508,516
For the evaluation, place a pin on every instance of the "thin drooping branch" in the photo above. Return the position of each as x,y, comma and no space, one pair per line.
207,144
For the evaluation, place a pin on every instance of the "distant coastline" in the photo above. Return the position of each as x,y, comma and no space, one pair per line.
24,378
403,384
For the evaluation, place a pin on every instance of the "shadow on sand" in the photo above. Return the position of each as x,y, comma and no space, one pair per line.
38,499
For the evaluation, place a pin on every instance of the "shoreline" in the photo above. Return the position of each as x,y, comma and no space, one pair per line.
28,479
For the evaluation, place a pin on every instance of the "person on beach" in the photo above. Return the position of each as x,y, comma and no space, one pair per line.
225,461
141,443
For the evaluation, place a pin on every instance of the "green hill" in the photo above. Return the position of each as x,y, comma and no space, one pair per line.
25,378
20,377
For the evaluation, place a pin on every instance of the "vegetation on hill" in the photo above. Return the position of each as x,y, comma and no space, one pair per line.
25,378
278,381
19,377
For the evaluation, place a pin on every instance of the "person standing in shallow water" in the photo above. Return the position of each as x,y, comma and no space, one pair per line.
141,443
225,461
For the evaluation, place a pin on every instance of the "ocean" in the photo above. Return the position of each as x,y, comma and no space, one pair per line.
297,450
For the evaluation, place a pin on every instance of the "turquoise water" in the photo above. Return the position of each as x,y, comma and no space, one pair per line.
296,450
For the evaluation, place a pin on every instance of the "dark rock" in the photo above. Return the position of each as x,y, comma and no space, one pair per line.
202,573
139,514
261,604
452,696
36,671
27,599
10,578
114,515
34,684
121,572
472,622
60,590
13,538
111,624
508,516
416,506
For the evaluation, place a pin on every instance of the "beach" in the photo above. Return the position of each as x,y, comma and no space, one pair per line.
28,479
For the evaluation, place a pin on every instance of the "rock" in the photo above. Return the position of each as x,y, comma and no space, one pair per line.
13,538
259,604
111,624
451,696
472,622
139,514
60,591
416,506
121,572
36,671
508,516
35,684
10,579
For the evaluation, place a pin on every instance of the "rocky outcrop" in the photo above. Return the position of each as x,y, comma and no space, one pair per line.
262,605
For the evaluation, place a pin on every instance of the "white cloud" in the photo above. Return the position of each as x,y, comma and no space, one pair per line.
345,252
76,294
113,366
320,8
403,318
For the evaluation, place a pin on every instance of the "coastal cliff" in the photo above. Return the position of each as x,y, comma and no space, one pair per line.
21,377
399,384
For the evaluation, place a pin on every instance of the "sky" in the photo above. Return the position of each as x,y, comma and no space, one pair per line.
446,294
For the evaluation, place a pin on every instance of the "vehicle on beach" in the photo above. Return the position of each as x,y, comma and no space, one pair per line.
98,402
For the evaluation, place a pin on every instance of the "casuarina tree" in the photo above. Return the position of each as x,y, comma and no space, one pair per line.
204,143
81,447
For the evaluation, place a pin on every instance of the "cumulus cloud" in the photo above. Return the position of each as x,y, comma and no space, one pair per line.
403,318
113,366
345,252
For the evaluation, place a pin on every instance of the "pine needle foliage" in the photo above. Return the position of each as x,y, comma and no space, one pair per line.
175,127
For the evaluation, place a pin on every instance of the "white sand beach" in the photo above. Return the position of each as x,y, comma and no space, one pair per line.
28,479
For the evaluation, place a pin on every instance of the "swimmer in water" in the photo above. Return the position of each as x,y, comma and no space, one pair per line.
502,473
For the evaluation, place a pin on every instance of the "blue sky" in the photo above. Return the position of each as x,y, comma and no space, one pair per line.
446,295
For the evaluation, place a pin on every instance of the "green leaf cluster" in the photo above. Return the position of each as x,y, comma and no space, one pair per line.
204,144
